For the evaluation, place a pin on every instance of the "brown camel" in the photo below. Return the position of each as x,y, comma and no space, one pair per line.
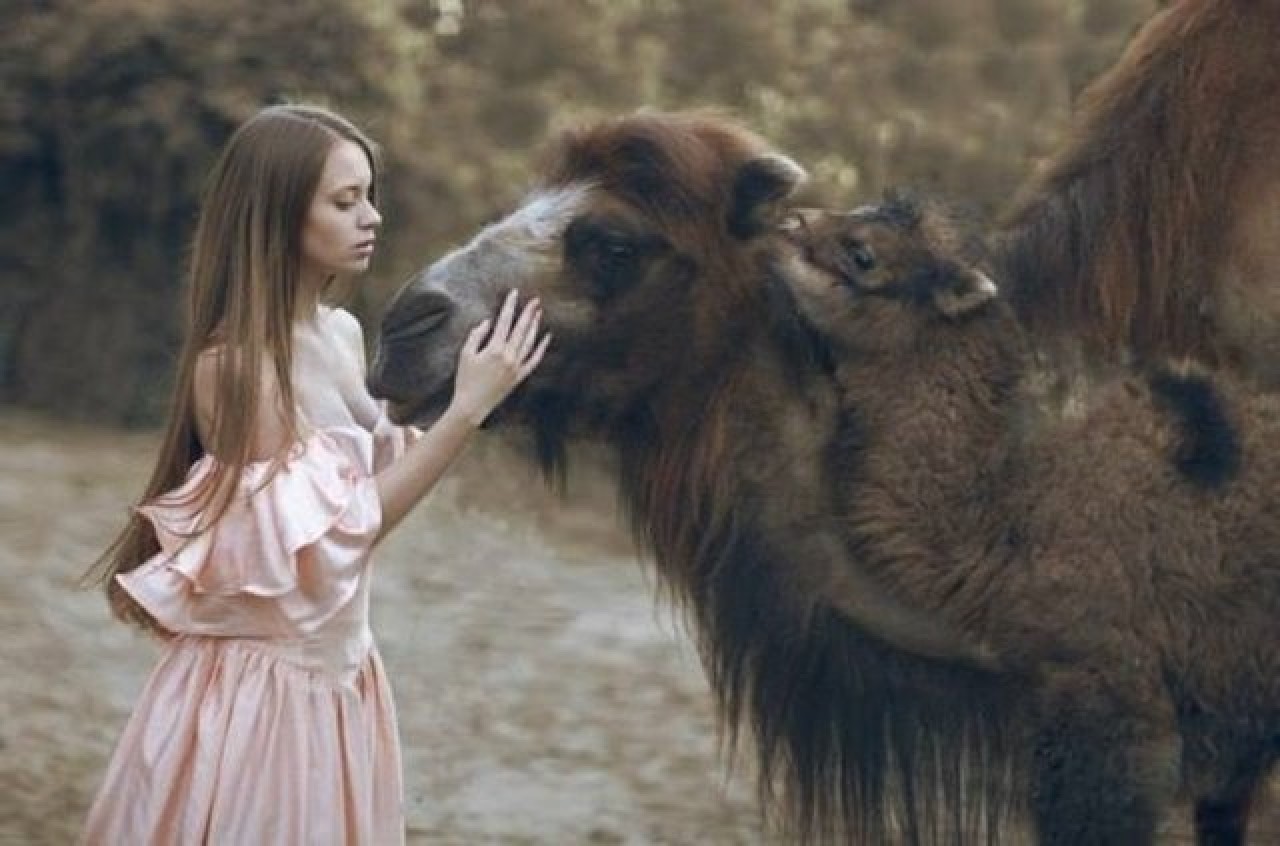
648,244
1156,227
1130,557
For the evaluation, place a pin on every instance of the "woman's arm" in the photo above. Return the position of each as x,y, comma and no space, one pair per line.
486,375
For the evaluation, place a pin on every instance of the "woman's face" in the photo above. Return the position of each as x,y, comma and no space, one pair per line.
339,231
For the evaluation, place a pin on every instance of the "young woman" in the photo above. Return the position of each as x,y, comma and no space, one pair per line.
269,718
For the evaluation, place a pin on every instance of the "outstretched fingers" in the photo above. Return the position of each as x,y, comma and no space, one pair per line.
488,370
528,330
526,327
476,337
528,349
529,362
506,315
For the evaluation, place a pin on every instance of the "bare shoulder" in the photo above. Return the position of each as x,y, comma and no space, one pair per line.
341,319
268,432
209,364
346,327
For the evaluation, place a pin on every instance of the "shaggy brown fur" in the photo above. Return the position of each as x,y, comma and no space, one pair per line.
1131,557
674,344
1154,228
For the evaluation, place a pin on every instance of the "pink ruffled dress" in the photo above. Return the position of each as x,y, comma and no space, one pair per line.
269,719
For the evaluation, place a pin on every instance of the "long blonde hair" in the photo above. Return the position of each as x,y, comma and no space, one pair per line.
244,293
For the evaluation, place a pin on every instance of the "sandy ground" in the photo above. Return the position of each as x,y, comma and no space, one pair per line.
544,697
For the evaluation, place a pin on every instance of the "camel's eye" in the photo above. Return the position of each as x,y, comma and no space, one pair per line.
618,249
607,251
609,254
598,242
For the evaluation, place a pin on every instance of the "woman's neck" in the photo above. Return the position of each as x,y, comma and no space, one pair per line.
308,313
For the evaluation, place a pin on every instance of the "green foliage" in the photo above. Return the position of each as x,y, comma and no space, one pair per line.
111,112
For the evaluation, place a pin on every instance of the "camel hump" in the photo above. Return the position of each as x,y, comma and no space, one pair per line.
1207,451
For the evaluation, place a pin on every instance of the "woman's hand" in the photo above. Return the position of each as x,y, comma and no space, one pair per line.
487,374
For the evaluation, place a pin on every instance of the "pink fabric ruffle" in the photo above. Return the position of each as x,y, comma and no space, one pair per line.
287,555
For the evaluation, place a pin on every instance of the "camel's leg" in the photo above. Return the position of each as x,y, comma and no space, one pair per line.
1105,769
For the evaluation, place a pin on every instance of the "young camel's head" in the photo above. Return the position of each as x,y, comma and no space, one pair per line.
877,278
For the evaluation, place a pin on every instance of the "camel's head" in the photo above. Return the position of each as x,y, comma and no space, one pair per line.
641,242
875,278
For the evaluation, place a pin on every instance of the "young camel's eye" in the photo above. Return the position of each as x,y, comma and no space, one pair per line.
862,255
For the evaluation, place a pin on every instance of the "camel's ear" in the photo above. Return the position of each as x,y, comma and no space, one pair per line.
970,288
757,189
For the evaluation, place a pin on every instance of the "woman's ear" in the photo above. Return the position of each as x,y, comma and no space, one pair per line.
758,187
970,288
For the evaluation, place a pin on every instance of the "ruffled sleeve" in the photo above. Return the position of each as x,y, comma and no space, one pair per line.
286,557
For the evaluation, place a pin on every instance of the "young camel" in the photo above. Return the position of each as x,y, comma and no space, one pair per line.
1128,559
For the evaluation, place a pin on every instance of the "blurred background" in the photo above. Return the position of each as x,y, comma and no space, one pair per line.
112,110
544,697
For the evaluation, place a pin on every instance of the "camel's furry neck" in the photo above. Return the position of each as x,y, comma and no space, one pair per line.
928,444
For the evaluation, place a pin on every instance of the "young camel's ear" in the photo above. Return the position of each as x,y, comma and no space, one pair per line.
758,187
969,289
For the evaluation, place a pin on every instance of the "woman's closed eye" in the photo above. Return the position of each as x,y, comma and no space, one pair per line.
349,198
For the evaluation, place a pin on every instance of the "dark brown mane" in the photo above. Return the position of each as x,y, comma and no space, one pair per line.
1118,237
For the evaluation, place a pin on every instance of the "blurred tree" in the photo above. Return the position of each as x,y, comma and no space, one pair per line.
111,110
118,110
